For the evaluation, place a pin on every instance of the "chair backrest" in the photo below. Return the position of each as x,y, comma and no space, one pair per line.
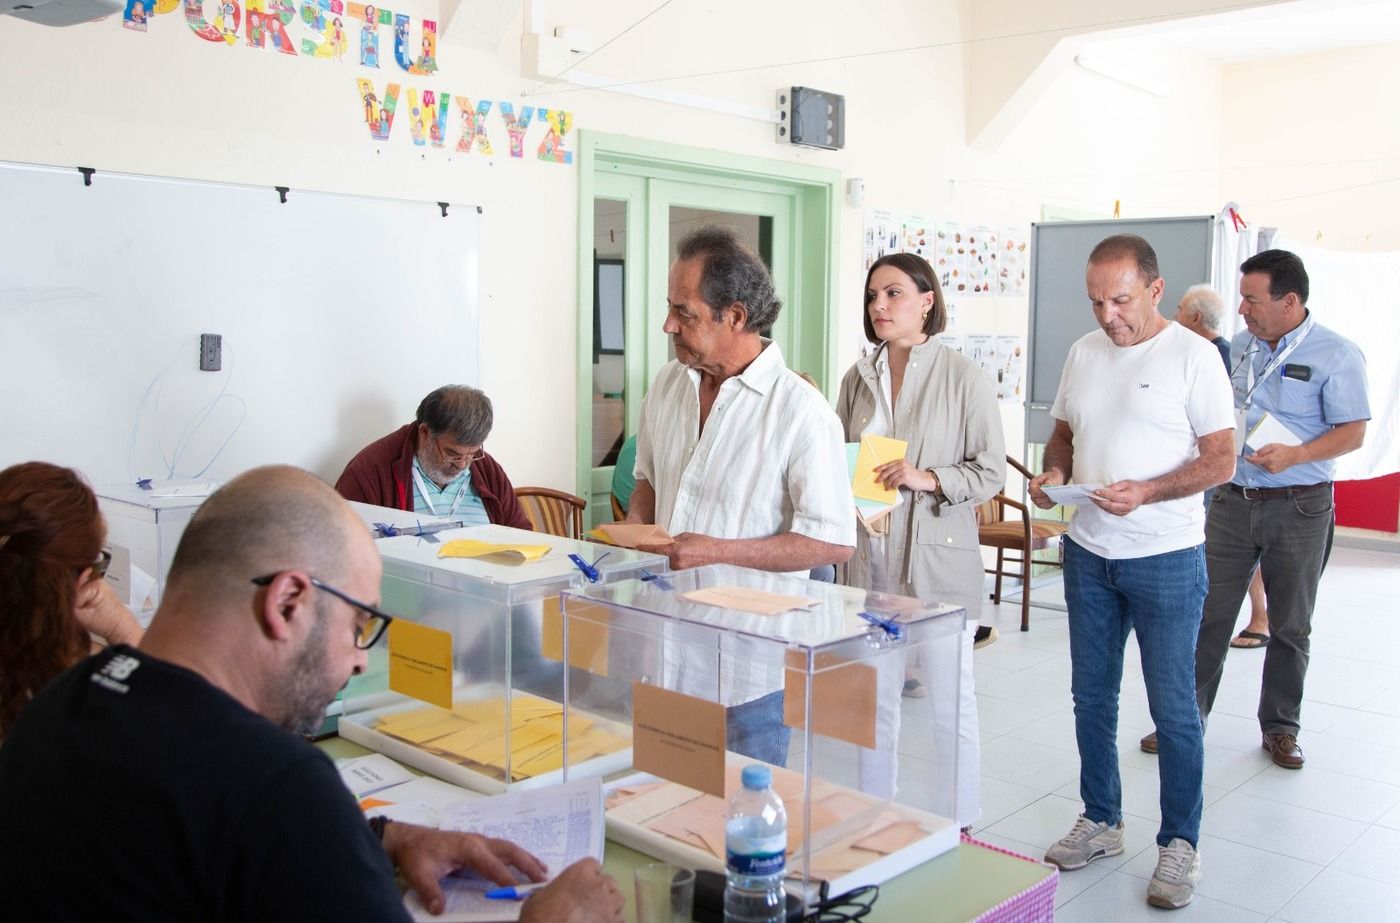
619,513
553,511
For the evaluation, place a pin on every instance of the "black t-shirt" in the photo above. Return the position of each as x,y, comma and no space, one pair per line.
132,789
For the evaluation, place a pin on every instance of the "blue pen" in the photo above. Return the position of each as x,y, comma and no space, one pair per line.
515,892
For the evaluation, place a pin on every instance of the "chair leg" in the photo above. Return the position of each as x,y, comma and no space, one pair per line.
1026,593
996,593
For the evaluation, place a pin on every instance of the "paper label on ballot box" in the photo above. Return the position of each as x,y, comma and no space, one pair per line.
843,698
588,635
420,662
678,737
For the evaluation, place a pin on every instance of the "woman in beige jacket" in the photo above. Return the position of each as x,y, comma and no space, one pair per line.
915,389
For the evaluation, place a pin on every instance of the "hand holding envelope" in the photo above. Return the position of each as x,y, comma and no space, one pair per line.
876,451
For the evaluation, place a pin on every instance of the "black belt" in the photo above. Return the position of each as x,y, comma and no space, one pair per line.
1279,493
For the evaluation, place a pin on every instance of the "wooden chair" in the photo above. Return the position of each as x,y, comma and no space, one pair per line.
619,513
1016,536
553,511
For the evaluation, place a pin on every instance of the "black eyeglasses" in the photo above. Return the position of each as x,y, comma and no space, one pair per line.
365,637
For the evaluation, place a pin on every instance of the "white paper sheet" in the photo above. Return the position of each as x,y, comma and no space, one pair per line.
560,825
1071,494
1269,431
365,775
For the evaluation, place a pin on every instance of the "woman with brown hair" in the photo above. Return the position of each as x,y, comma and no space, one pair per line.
943,406
53,598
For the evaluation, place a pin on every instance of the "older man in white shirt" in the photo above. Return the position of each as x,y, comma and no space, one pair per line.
740,459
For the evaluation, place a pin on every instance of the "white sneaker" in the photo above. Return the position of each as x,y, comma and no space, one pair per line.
1178,870
1087,840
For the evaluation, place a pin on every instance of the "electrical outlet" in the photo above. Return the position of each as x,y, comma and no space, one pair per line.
211,352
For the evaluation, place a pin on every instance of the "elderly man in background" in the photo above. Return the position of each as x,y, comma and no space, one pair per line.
437,466
1143,417
1201,310
179,767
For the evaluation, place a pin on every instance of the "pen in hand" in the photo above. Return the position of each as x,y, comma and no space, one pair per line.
515,892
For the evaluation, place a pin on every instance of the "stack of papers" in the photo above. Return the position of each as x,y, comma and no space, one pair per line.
559,825
473,734
1071,494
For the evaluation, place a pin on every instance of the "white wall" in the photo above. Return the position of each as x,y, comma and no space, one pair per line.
169,103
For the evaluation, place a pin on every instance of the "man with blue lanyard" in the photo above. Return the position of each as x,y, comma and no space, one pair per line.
1300,397
436,465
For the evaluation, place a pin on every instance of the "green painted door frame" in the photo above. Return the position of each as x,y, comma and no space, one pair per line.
652,176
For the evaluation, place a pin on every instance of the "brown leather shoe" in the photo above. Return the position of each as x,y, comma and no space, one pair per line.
1284,750
1149,743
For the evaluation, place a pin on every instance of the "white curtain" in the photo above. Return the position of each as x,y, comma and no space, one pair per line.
1355,295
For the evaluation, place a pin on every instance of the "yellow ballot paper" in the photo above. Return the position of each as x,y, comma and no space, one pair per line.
494,551
875,451
420,662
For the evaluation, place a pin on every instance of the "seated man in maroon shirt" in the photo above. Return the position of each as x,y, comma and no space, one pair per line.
436,465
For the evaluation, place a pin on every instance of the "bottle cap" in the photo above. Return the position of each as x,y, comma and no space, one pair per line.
756,777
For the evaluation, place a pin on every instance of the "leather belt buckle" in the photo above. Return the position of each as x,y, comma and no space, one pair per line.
1250,493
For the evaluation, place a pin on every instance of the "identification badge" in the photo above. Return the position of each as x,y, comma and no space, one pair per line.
1241,430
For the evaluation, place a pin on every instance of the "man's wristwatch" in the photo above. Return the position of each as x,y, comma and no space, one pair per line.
377,825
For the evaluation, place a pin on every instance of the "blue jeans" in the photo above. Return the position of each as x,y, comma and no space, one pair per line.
756,729
1160,598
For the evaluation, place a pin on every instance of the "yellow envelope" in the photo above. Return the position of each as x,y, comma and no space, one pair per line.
875,451
630,534
502,553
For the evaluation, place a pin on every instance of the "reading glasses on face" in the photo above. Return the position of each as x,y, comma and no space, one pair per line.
365,637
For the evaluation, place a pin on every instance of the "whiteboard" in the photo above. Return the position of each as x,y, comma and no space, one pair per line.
1059,306
338,314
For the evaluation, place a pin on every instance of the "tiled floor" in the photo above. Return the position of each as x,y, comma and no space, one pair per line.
1316,845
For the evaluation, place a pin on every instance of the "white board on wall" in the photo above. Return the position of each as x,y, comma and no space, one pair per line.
337,313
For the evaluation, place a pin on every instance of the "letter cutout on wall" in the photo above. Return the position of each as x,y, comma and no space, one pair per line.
225,25
326,27
379,113
370,17
134,16
516,128
269,21
474,126
427,46
552,147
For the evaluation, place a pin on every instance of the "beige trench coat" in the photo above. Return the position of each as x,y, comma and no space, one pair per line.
947,412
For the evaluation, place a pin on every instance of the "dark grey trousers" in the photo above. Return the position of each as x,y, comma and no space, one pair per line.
1290,538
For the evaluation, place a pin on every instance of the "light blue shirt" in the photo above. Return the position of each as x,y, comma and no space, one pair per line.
470,510
1334,393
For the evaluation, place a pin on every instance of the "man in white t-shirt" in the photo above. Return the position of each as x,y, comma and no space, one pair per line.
738,457
1145,417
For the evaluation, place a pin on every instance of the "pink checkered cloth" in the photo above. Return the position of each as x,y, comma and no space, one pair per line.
1036,904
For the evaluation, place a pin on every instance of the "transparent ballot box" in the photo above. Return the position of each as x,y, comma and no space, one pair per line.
469,684
719,667
143,530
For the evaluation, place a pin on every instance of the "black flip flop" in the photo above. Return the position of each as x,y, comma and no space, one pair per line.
1262,638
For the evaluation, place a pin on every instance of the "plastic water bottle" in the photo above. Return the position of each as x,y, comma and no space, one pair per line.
755,845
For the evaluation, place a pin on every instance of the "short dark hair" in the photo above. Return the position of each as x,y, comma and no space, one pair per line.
461,413
1284,269
1128,246
925,280
731,273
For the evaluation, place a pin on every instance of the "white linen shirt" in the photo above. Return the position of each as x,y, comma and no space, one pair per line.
771,458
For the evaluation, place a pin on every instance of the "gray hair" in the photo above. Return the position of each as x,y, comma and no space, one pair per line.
458,412
732,273
1207,301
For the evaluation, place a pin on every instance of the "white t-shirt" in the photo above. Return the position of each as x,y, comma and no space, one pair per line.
771,459
1136,413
